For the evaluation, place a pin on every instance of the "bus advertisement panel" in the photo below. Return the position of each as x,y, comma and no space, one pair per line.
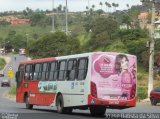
114,76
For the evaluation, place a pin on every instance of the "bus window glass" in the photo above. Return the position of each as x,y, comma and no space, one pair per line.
82,68
44,70
52,69
61,70
21,68
53,64
71,69
28,73
70,65
36,72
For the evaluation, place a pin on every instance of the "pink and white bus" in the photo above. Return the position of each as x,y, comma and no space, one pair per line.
94,81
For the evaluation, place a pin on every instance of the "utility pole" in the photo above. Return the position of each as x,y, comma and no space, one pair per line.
66,19
53,16
151,51
151,46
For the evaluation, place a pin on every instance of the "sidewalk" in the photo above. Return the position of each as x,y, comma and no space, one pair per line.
144,102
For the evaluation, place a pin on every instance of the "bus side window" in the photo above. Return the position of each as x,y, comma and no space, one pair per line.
44,70
47,71
71,69
62,67
28,72
52,69
36,72
56,70
82,68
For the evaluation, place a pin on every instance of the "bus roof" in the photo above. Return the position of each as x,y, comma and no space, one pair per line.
88,54
37,60
68,56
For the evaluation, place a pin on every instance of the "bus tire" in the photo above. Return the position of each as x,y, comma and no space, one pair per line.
28,106
97,110
153,102
60,105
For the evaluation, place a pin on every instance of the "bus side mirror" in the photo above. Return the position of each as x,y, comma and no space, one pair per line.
16,76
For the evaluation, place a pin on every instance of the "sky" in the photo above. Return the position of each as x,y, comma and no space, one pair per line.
73,5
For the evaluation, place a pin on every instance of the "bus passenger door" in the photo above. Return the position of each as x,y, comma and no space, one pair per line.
19,83
78,75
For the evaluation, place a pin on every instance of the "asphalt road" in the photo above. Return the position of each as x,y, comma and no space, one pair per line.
18,110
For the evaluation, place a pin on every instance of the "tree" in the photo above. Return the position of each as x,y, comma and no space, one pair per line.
127,6
4,23
101,4
126,20
59,8
57,43
102,31
106,3
64,8
93,6
87,8
39,19
109,6
18,42
116,5
113,5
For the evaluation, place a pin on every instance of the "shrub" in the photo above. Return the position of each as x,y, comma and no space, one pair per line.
141,93
2,63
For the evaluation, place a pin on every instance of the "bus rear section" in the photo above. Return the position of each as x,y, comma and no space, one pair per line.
113,81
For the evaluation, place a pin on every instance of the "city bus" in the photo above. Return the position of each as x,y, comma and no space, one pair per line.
94,81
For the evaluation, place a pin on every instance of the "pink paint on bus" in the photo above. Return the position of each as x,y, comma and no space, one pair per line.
114,75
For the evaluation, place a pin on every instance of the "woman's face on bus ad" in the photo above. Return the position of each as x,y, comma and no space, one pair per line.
124,63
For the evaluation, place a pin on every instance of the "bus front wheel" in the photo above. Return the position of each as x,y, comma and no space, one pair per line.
97,110
28,106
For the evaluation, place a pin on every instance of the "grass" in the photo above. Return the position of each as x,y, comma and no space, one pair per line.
142,83
12,90
84,38
2,63
27,29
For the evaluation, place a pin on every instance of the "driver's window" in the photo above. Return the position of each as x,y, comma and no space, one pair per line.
19,75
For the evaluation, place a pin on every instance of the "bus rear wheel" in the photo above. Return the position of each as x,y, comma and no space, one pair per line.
60,104
97,110
28,106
